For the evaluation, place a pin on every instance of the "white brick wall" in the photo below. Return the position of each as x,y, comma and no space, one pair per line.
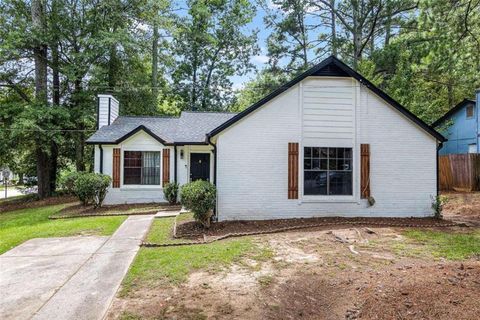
252,162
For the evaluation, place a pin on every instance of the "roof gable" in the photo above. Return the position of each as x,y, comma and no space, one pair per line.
330,67
450,112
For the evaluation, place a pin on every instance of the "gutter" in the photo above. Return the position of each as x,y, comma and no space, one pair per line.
215,213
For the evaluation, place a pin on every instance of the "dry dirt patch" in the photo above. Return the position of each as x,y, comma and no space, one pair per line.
463,206
315,275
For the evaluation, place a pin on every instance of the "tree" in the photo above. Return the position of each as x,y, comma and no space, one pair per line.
210,47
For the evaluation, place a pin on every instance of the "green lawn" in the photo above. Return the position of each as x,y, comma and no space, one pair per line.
449,245
21,225
173,264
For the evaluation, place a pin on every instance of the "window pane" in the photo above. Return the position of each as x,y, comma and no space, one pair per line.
332,152
323,152
132,175
132,167
348,153
332,164
316,164
315,182
340,182
307,152
151,168
340,153
346,165
316,152
307,164
323,164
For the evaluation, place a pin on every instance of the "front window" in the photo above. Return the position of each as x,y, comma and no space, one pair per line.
141,167
327,171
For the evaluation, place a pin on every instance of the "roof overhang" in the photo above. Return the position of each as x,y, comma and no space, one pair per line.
131,133
330,67
452,111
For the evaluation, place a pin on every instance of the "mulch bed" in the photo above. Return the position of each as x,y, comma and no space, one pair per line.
79,210
193,230
31,201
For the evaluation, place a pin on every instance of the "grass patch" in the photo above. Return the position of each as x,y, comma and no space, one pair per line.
21,225
449,245
173,264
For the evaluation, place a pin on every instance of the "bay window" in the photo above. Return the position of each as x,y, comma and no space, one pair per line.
141,167
327,171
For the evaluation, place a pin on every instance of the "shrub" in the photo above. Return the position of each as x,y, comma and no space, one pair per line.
91,188
199,197
67,181
437,205
170,191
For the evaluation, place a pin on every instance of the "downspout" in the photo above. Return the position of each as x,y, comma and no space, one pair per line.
440,145
101,158
215,215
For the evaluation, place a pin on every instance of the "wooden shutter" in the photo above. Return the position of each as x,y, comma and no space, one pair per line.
365,171
166,167
293,170
116,168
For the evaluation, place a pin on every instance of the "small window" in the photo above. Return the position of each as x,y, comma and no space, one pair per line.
327,171
472,148
141,167
470,111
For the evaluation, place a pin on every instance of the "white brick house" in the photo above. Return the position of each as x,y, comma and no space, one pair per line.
323,144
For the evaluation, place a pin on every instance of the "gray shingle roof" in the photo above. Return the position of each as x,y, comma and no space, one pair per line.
190,127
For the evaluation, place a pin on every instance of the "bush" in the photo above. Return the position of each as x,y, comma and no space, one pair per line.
170,191
437,205
199,197
91,188
67,182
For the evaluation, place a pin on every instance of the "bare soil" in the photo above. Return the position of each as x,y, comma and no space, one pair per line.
335,272
344,273
462,207
192,229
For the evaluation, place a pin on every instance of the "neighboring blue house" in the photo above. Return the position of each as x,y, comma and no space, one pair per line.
460,125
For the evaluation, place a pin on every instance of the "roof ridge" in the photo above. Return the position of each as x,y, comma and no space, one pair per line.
219,112
153,117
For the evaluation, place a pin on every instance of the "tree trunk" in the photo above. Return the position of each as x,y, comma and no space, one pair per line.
79,151
112,67
41,97
43,173
334,29
388,26
53,166
155,62
357,37
20,178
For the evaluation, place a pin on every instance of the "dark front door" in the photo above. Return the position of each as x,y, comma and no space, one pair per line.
199,166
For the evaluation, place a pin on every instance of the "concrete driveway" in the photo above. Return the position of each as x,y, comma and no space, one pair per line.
68,278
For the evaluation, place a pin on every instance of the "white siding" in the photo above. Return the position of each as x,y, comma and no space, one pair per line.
328,112
252,156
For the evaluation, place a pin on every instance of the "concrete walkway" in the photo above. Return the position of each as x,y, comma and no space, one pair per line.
68,278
